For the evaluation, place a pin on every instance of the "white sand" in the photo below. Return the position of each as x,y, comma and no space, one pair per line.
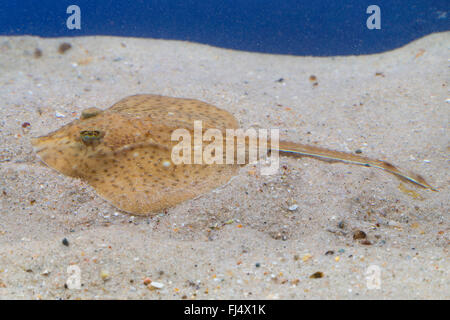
401,116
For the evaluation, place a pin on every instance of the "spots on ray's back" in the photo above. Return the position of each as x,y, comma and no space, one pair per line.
176,110
125,151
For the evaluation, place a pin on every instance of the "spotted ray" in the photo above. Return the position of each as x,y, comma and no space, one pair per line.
124,152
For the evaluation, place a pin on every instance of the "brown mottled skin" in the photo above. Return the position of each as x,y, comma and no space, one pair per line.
124,152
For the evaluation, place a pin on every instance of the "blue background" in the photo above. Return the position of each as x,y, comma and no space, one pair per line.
320,28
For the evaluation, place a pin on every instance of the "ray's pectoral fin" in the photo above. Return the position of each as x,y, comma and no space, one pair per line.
145,180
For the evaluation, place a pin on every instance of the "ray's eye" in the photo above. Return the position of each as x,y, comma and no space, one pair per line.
89,137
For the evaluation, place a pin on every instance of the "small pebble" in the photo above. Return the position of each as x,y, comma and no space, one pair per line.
314,81
316,275
293,207
306,257
65,242
359,235
37,53
104,274
45,272
393,223
156,285
63,47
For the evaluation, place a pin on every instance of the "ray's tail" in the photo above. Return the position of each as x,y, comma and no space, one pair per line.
291,148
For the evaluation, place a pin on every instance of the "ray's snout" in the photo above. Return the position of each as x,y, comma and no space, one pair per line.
38,144
58,152
43,143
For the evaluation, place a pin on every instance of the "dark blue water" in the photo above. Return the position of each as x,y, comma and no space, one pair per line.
320,28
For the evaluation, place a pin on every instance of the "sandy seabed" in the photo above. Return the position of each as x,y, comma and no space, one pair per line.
258,237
